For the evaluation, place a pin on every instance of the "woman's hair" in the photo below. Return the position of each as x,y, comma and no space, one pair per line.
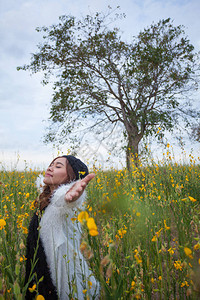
44,197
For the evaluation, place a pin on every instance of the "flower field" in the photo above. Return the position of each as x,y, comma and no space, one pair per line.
141,230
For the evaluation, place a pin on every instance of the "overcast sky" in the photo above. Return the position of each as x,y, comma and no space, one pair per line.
24,102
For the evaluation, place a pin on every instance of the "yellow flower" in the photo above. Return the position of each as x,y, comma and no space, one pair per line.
2,224
171,251
121,232
185,283
85,291
117,182
138,258
73,219
91,224
188,252
25,230
92,227
154,239
81,173
40,297
160,277
178,265
108,280
192,199
93,232
32,207
27,195
83,216
166,227
132,285
157,234
33,288
197,246
89,284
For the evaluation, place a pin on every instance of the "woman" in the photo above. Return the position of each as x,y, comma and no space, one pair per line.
55,268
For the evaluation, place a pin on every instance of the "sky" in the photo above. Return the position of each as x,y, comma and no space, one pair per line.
25,103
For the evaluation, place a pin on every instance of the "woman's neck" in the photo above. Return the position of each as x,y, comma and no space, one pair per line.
53,188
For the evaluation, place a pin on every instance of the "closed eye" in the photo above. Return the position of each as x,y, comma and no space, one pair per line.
59,165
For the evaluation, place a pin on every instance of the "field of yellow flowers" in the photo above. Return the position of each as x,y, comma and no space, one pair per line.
141,230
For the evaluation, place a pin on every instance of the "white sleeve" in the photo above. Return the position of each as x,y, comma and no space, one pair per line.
58,198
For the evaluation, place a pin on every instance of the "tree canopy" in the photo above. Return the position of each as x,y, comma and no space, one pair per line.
107,84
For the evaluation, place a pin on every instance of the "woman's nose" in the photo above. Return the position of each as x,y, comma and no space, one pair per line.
49,168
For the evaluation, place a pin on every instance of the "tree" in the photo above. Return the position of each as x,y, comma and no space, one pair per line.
110,83
195,134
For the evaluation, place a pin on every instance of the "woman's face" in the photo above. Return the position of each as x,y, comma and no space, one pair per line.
56,173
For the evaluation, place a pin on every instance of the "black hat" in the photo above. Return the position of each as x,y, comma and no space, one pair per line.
79,168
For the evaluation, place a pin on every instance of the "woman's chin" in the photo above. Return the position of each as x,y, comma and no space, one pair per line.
47,180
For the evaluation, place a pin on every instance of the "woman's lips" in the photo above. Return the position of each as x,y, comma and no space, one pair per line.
48,175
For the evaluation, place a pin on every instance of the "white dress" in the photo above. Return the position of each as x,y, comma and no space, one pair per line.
60,235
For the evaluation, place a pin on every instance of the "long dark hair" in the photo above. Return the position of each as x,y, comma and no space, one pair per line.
45,196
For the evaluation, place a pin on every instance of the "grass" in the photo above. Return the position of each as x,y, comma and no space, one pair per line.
148,242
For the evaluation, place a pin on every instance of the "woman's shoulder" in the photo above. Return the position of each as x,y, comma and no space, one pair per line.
63,189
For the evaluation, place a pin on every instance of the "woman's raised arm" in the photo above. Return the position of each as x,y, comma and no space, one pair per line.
78,188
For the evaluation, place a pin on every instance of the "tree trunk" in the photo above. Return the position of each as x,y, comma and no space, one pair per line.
132,151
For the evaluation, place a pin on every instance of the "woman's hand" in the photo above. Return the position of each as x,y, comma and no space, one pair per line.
78,188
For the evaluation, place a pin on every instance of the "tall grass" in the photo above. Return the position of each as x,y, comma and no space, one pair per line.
148,246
